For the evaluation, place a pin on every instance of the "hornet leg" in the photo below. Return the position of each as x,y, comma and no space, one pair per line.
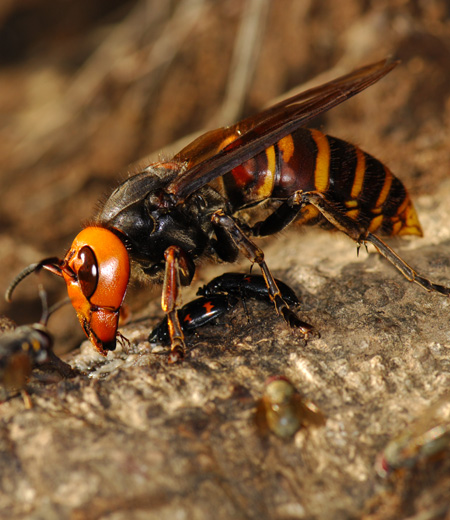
284,215
256,255
351,228
407,271
177,266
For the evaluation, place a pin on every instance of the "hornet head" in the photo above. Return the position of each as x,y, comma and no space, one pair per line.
96,270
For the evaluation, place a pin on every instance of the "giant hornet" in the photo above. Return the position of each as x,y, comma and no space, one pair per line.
161,222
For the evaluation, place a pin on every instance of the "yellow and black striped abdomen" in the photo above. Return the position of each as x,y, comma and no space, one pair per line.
355,182
365,189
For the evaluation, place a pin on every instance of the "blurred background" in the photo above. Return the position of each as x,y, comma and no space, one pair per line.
88,88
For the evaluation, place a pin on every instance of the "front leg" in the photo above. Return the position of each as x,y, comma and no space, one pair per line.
256,255
178,267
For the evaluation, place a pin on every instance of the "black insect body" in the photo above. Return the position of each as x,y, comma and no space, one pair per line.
25,348
195,314
20,351
218,297
163,221
245,286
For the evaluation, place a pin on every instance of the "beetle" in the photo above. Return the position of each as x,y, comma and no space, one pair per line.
163,221
27,347
196,313
218,297
246,286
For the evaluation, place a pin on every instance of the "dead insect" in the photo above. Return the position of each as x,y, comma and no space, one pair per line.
166,219
425,437
283,411
195,314
245,286
219,296
27,347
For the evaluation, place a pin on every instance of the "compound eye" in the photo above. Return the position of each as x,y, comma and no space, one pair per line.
88,271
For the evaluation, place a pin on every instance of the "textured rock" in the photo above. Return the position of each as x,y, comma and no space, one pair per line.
136,438
140,436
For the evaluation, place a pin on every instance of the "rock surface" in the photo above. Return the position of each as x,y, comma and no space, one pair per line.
137,438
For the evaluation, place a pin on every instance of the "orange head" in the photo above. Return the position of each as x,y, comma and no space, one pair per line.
96,270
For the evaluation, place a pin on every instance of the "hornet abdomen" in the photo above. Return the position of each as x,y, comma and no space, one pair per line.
356,183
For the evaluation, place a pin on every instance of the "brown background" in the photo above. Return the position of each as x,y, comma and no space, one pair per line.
87,88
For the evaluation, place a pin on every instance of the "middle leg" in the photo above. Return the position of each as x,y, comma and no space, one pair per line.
256,255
